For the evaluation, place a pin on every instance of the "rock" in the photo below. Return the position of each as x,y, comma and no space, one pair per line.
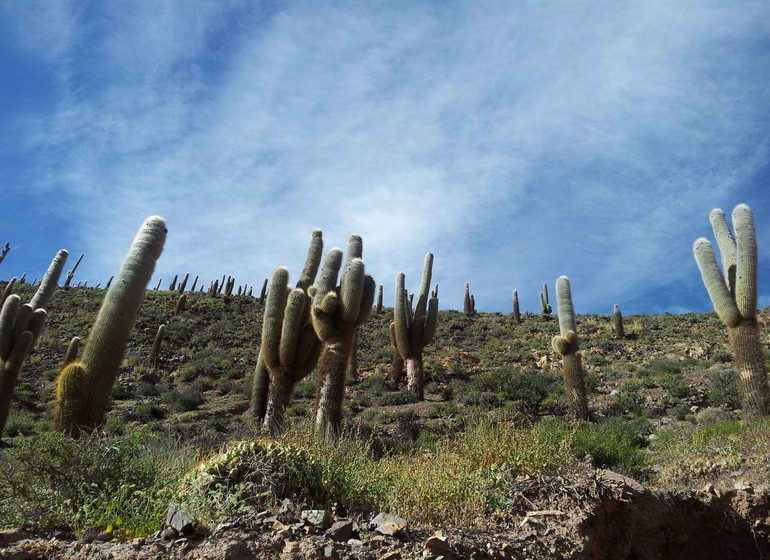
617,477
96,533
341,531
392,555
12,535
321,518
177,519
169,534
387,524
438,544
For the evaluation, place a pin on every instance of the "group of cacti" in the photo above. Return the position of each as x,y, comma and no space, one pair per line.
313,327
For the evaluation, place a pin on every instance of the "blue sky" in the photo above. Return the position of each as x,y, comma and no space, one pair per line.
517,141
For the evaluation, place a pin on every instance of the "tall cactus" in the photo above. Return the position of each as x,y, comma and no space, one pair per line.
20,325
336,313
412,329
617,319
109,335
566,344
467,302
734,295
290,347
516,311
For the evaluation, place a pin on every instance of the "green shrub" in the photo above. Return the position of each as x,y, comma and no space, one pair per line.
724,389
54,481
616,444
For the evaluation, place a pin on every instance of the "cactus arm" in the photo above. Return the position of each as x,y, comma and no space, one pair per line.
431,323
352,290
275,306
401,323
50,281
259,391
292,326
564,302
727,246
7,319
367,299
313,260
717,289
746,263
72,351
355,247
327,283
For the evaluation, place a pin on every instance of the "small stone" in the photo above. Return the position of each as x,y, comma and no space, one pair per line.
177,519
341,531
329,552
387,524
392,555
169,534
12,535
96,533
280,527
319,517
437,544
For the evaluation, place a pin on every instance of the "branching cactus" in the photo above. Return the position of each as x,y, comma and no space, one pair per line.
336,313
71,272
109,335
516,311
290,347
5,250
412,329
617,319
20,325
545,305
566,344
734,295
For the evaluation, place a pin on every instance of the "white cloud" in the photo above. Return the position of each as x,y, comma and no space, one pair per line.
517,142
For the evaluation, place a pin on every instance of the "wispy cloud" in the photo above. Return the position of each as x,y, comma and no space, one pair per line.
517,142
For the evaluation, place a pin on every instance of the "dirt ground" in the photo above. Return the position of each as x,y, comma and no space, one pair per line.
597,515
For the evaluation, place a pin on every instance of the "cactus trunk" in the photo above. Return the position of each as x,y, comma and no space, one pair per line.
749,360
414,376
333,362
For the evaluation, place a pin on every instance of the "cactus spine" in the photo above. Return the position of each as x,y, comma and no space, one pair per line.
566,344
290,347
20,326
336,313
111,331
734,296
411,329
